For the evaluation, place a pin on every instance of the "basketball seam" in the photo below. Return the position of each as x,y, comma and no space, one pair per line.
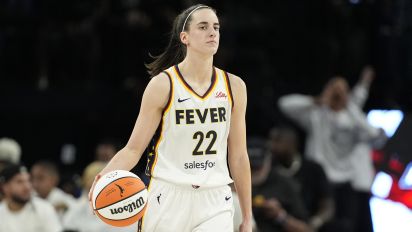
123,218
110,183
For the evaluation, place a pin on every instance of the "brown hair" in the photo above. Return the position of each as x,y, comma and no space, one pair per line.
175,51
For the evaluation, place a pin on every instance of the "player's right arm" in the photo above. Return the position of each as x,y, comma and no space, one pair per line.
154,100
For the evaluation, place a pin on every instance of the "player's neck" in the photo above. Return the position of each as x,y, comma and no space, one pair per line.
197,69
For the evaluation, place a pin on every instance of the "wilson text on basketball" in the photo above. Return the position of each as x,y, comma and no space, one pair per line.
130,207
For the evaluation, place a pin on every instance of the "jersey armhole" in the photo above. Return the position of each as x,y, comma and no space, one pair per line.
229,88
151,149
169,101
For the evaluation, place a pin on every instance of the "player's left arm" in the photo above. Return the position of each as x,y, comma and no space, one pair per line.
238,157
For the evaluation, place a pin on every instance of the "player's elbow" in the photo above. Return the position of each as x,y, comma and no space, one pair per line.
239,160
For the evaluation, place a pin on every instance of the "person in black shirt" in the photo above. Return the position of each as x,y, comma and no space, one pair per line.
310,177
277,204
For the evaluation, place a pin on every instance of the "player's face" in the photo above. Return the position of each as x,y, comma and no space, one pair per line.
19,188
203,35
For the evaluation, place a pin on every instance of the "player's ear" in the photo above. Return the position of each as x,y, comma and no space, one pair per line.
184,38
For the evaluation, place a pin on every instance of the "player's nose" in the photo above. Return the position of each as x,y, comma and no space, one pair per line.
212,33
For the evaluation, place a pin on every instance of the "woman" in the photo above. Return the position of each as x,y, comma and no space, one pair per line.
191,103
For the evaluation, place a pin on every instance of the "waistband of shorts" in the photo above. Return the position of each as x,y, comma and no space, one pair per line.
189,187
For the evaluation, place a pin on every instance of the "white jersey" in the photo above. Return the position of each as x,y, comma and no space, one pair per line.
191,146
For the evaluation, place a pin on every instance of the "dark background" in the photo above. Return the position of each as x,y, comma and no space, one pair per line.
72,71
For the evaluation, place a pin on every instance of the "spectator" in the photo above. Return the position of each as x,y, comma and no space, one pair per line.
106,149
45,179
310,176
277,205
10,151
80,218
19,211
334,125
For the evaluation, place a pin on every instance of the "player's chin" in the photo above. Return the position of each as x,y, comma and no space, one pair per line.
211,50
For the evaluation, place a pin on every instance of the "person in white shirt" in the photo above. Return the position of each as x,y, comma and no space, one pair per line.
19,211
45,178
364,171
335,125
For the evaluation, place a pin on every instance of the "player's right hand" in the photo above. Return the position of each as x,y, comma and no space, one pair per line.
91,191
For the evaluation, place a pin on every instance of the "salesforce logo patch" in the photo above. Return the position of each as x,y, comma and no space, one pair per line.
200,165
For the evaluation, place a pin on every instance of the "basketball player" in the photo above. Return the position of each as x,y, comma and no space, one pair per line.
198,112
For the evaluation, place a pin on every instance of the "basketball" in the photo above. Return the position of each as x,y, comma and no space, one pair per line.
119,198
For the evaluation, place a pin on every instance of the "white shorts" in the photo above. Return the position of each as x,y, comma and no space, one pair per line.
187,209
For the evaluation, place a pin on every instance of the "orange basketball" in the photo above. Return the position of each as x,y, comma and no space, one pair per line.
119,198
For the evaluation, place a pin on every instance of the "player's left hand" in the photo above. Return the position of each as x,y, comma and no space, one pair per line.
246,226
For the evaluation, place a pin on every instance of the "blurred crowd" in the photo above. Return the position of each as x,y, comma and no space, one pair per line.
36,199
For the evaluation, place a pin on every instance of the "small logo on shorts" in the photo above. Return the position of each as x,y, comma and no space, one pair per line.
158,198
228,198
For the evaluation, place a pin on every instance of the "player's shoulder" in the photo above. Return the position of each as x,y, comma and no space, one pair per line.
233,79
160,82
158,90
236,82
